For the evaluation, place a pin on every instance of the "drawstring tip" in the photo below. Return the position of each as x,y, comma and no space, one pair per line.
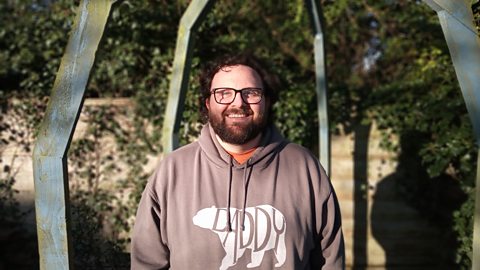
243,227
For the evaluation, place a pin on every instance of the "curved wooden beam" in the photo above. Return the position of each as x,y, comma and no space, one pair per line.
314,8
191,19
55,134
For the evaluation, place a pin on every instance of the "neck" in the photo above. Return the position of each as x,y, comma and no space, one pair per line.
240,148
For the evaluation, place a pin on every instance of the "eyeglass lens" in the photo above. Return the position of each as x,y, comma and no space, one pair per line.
227,95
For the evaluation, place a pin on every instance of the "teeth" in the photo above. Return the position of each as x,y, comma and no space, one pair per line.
236,115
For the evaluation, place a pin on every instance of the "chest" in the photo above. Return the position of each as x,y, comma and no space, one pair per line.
240,217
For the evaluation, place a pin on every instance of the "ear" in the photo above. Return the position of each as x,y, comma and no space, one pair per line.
207,103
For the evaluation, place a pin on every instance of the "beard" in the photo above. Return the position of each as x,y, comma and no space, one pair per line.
237,133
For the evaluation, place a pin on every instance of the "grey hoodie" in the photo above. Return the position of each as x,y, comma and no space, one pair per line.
203,210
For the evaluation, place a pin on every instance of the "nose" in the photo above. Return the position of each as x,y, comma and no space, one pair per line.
238,100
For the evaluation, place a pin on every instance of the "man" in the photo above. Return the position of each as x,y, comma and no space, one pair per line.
241,196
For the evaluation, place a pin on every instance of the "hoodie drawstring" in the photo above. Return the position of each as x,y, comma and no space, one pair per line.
229,223
246,179
245,187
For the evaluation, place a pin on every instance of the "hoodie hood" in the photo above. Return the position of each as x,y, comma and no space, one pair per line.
272,142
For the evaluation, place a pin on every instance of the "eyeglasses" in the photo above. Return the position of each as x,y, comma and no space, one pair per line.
226,95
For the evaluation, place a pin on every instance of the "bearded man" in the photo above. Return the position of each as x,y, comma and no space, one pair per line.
241,196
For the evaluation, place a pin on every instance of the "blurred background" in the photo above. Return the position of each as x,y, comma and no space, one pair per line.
403,152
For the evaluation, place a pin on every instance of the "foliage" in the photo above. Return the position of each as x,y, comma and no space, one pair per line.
8,204
93,170
32,46
20,252
476,14
91,249
387,63
463,220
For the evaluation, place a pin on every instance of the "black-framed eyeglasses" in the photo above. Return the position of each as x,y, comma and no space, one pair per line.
226,95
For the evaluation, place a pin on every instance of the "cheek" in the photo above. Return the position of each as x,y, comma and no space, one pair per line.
214,107
259,109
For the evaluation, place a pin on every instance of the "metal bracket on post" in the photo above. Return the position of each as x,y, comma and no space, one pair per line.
463,42
55,134
189,23
321,84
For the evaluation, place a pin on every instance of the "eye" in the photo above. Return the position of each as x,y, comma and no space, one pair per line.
225,93
252,92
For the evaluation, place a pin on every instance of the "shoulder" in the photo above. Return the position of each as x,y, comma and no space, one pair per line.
300,158
177,160
186,152
297,152
173,164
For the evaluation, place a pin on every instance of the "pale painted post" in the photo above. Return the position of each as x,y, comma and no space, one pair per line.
456,19
189,23
49,155
314,8
476,222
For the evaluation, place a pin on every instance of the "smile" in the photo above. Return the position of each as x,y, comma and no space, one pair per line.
237,115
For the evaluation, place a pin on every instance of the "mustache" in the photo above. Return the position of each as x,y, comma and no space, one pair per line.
244,110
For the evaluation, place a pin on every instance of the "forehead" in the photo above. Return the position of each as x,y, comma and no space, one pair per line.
237,77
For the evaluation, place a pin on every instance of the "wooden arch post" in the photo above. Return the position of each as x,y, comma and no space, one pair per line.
456,19
316,17
189,23
55,134
191,19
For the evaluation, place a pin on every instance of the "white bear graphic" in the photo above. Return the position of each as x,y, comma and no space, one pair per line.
264,230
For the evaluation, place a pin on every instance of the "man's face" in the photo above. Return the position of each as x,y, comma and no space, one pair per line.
238,122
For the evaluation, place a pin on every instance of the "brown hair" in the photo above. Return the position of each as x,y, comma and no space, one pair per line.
270,82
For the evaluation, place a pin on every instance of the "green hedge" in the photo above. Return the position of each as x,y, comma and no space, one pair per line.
387,62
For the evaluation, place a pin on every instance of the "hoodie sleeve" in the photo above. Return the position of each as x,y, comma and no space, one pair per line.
329,252
148,248
331,242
